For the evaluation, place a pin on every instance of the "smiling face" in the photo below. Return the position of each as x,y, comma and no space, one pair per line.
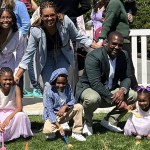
144,101
6,20
49,16
61,83
114,46
6,80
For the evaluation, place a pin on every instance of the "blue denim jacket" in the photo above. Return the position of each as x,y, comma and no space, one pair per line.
37,44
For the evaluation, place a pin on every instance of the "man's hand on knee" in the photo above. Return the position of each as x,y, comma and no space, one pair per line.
118,97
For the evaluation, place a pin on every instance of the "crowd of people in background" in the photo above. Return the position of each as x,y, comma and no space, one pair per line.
46,47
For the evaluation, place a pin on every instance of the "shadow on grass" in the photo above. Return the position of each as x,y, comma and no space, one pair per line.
97,128
37,127
121,124
21,138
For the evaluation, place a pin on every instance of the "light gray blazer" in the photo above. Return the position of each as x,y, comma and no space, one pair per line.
37,44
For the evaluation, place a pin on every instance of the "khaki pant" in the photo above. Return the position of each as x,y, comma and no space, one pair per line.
92,100
75,113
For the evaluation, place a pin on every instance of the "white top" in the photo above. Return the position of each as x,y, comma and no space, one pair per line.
112,64
8,102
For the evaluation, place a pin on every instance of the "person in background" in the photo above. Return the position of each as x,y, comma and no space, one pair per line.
60,107
23,23
73,8
49,40
13,122
97,15
116,20
131,9
105,83
20,10
81,51
139,127
30,4
11,40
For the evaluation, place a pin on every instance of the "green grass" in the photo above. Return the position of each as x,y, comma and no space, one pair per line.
101,140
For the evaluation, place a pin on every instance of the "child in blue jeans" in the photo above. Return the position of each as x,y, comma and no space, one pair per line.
60,107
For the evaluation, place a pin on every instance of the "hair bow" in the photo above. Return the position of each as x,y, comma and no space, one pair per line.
143,88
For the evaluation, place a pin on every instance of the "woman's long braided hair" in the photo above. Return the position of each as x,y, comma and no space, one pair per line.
47,4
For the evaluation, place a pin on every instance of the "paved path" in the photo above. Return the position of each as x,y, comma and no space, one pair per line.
34,106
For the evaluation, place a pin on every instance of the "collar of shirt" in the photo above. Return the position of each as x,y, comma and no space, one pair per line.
112,64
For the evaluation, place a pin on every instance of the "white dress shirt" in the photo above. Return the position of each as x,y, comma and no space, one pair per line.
112,64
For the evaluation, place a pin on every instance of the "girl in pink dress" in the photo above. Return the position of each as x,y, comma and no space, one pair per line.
13,122
140,127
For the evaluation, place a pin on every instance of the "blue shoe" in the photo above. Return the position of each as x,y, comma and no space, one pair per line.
37,93
27,93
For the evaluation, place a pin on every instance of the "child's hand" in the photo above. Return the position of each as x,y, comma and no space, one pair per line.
1,128
5,123
61,130
130,107
61,111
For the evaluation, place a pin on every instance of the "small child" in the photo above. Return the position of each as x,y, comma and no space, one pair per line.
13,122
140,127
60,107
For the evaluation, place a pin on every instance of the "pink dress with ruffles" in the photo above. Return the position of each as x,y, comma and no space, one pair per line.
138,126
18,126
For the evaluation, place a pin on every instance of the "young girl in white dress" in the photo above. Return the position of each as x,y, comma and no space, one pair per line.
140,127
13,122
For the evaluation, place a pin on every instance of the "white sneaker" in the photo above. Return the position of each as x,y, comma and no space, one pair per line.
87,130
78,137
65,126
50,136
109,126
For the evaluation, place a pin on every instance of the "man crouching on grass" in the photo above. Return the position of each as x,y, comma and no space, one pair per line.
105,83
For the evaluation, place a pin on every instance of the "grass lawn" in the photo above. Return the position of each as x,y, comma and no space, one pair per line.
101,140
